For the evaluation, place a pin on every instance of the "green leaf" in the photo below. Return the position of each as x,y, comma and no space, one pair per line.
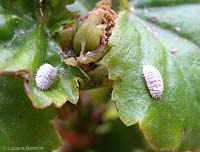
90,4
23,127
77,6
56,14
170,43
25,47
146,3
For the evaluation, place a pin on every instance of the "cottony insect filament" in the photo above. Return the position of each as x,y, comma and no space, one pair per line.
153,80
45,76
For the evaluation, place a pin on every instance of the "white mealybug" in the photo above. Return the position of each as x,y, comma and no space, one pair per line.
45,76
153,80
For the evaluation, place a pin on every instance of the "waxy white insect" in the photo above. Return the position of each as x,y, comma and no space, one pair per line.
153,80
45,76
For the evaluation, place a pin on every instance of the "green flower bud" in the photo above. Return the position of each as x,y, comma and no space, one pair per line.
95,30
88,35
66,35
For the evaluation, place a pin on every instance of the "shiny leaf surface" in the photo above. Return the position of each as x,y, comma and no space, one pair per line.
167,38
24,128
26,46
